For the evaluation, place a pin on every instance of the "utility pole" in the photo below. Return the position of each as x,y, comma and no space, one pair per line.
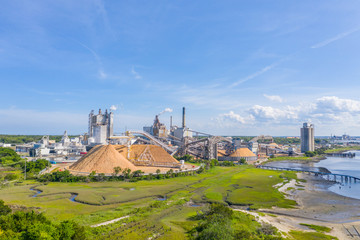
25,167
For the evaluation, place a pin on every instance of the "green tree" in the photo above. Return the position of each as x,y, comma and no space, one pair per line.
4,209
117,170
137,173
8,156
310,154
243,160
126,172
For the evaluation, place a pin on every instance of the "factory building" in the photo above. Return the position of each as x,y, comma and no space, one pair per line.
100,127
158,129
177,134
307,137
181,132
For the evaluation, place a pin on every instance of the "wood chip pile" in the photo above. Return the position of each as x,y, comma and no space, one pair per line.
150,155
102,159
242,152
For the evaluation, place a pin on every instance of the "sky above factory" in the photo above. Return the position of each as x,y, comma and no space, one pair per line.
239,67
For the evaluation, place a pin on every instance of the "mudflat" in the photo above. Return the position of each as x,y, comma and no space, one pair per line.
317,205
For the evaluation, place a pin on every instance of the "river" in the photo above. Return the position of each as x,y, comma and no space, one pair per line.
348,166
339,165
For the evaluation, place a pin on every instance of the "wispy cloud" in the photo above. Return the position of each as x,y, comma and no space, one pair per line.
135,73
102,10
256,74
336,38
274,98
101,73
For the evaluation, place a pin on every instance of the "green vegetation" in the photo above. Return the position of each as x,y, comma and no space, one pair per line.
241,185
317,227
33,226
220,222
36,166
298,235
342,149
168,208
319,151
126,175
19,139
4,209
8,156
286,141
254,188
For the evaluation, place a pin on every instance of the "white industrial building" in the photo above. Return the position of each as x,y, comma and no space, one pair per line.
100,127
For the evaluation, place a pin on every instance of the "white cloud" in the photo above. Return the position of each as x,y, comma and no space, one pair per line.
135,73
266,113
274,98
333,39
333,104
323,111
232,117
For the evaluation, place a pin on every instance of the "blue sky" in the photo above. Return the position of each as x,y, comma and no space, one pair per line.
239,67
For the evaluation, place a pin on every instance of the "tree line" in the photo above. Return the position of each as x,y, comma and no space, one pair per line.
33,226
20,139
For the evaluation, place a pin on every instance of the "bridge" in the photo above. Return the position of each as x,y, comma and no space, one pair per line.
335,177
344,155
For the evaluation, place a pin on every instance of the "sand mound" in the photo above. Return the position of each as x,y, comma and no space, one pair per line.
147,155
102,159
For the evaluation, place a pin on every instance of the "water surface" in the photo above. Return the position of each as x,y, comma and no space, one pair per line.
347,166
339,165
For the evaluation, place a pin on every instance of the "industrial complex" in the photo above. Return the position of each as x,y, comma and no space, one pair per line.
154,147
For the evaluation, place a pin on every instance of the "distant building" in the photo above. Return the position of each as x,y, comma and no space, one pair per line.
100,127
307,137
254,147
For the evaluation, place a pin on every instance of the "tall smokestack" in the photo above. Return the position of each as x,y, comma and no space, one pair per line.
183,118
170,122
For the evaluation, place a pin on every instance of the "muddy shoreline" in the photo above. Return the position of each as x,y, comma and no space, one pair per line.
318,203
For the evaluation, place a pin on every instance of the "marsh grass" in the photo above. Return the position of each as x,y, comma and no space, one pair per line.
299,235
317,227
170,219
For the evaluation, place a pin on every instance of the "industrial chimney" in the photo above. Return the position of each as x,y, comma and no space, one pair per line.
183,118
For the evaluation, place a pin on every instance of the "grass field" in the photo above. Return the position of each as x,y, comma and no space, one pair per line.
317,227
241,185
342,149
103,201
298,235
